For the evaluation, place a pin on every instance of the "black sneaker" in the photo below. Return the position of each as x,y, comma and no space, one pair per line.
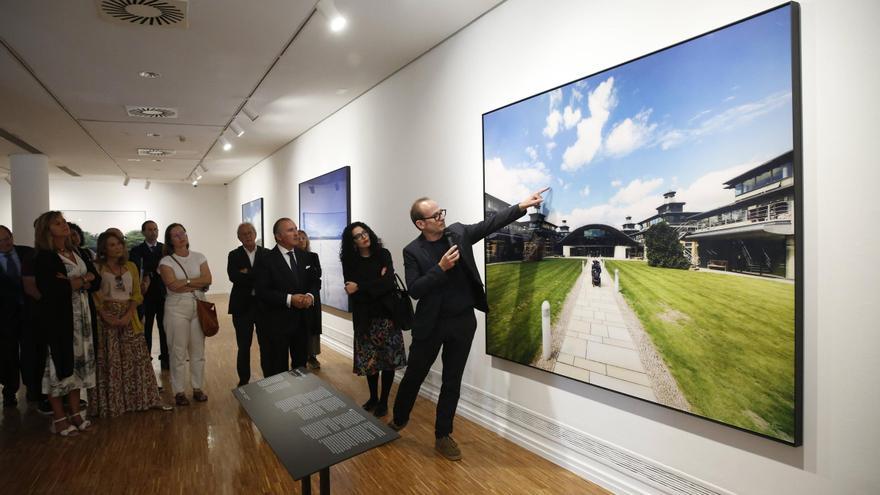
369,405
313,363
380,410
44,407
395,426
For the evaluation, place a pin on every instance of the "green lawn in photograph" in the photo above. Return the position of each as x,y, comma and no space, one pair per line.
728,341
516,291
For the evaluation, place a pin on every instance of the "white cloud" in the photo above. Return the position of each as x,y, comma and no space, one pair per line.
730,98
532,152
727,120
512,184
630,135
571,118
589,130
576,96
708,191
616,183
585,191
698,115
635,191
560,181
555,98
553,121
550,145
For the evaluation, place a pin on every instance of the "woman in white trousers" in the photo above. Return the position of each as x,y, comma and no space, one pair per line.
186,275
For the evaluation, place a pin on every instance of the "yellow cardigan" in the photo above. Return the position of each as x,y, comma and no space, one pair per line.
136,324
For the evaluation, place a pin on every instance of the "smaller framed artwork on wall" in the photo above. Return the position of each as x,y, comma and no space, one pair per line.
252,212
324,212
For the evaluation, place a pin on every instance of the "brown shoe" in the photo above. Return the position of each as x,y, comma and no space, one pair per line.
199,396
181,400
448,448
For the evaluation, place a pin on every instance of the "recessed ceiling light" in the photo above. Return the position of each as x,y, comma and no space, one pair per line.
150,75
153,134
134,159
157,160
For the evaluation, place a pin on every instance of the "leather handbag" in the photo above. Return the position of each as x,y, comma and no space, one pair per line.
402,314
205,310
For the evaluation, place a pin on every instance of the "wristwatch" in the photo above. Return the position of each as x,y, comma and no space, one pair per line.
187,281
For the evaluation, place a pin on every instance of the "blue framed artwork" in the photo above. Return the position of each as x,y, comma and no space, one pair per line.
252,212
324,212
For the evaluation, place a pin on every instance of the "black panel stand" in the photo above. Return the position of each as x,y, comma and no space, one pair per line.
306,483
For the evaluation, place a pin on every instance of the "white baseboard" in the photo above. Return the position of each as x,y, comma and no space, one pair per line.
598,461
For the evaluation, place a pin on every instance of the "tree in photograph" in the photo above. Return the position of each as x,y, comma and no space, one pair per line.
133,238
663,248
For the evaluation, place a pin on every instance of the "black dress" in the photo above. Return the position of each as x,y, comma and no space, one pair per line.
378,343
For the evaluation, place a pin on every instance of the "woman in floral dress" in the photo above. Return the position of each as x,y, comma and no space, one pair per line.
369,282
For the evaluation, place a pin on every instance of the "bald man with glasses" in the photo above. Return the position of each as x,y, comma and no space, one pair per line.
442,275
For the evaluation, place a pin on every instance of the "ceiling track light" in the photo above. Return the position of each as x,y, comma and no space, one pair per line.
126,180
204,168
335,20
236,129
225,142
250,112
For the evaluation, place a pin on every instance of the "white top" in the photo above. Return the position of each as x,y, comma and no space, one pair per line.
116,287
192,264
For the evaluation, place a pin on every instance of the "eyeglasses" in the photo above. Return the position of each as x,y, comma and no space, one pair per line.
362,235
440,215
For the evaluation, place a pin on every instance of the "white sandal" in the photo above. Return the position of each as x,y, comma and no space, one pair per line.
84,424
70,431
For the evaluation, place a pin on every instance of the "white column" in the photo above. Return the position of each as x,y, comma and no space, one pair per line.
789,257
30,194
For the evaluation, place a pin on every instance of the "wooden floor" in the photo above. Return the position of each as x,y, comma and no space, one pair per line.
213,447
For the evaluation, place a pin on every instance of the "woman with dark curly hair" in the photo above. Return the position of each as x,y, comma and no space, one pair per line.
369,283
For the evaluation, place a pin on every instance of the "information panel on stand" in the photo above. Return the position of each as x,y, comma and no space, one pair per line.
308,423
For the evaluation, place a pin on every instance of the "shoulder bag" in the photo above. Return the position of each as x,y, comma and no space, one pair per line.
403,309
206,311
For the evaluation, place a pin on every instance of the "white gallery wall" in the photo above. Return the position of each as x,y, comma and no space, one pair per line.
419,133
200,210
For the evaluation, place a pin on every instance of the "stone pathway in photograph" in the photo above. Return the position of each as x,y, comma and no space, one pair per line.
605,345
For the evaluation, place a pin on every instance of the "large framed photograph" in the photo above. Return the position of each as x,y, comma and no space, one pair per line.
667,254
252,212
94,222
324,212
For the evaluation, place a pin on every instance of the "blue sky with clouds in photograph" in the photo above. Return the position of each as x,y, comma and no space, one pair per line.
685,119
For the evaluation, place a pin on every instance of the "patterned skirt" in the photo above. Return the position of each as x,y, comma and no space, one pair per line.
126,381
380,348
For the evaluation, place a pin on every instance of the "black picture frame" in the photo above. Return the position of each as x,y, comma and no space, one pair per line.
793,437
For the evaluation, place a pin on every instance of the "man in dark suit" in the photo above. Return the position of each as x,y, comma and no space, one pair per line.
442,275
243,299
146,256
287,287
14,263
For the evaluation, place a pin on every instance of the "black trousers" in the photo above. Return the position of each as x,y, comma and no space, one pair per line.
453,336
10,341
282,343
244,324
155,310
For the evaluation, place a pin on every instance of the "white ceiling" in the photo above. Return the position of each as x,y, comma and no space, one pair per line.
65,51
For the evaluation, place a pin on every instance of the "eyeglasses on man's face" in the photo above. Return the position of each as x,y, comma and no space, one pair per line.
439,215
361,235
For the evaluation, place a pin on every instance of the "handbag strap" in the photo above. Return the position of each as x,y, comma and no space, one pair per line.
399,283
184,274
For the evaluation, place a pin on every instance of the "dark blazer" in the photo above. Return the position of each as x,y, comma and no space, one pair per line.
148,262
12,290
54,310
424,275
241,299
373,291
274,280
315,323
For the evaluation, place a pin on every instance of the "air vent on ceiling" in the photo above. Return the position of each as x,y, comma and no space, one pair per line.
68,171
151,112
154,152
158,13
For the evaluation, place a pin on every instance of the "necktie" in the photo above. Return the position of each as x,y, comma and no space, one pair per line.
293,265
12,268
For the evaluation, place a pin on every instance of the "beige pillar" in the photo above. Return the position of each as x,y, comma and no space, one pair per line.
30,194
789,257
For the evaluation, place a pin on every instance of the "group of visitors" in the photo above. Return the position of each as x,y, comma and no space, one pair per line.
75,320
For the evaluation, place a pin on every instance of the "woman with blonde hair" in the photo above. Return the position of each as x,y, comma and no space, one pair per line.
315,322
125,378
62,317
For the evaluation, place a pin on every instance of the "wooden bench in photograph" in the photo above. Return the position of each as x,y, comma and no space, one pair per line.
717,265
